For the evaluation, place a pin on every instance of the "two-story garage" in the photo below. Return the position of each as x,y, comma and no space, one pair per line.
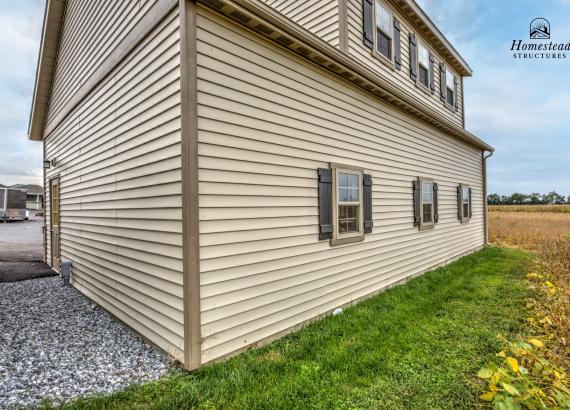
221,172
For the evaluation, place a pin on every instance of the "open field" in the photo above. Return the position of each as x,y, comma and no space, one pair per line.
416,346
548,235
528,230
530,208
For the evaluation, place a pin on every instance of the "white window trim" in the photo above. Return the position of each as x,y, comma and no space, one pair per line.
464,218
338,238
426,225
388,61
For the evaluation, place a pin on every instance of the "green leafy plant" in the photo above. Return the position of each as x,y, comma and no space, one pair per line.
522,376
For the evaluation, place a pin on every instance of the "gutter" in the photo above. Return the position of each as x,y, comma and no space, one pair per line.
485,206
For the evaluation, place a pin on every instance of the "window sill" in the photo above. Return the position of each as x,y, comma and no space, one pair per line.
426,227
384,60
450,107
465,220
346,240
423,88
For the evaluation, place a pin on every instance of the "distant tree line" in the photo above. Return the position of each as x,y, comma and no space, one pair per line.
552,198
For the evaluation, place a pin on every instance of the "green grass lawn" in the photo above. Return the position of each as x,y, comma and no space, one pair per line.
416,346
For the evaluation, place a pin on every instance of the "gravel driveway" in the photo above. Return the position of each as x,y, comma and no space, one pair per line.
56,344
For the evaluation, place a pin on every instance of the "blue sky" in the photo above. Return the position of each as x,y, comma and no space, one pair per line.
521,107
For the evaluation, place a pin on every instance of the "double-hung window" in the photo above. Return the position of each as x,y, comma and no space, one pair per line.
450,88
423,65
383,30
345,204
349,203
427,207
464,203
425,203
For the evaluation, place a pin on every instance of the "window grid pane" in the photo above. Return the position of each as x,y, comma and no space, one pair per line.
423,56
427,215
348,187
427,194
348,218
383,18
424,76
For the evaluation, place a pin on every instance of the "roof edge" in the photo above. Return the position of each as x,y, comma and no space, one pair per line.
53,19
424,23
273,25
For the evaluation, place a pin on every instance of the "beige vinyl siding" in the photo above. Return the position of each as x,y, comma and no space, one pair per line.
267,121
118,160
400,78
90,33
318,16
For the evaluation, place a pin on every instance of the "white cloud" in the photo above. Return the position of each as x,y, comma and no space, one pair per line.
20,22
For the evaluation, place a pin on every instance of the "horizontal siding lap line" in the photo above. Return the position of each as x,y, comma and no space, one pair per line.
152,108
252,312
367,288
281,255
271,106
129,160
113,306
153,252
147,225
411,134
132,308
127,259
289,244
371,161
86,70
126,71
218,45
170,312
221,291
161,238
156,170
141,191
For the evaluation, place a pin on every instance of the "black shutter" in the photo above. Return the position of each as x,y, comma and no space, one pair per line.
459,202
442,84
455,94
325,204
432,74
368,22
435,210
367,183
417,202
413,57
470,205
397,47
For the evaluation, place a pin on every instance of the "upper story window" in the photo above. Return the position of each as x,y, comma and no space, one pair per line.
384,32
423,65
450,88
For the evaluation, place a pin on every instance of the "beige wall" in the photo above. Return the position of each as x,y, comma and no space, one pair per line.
118,160
318,16
359,51
91,32
267,121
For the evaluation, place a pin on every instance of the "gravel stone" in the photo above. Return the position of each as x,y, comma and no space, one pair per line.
55,344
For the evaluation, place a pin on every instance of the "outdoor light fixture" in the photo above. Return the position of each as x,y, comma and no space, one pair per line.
47,164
